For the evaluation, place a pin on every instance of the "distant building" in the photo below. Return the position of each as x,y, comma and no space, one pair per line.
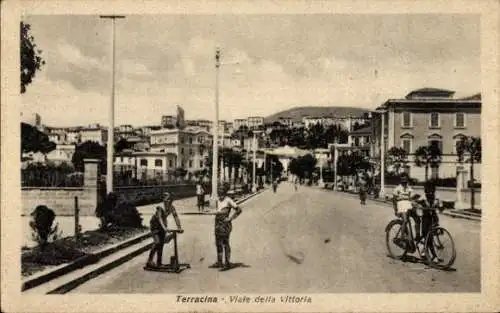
360,139
145,164
63,153
191,145
428,116
286,121
94,133
255,121
168,121
239,122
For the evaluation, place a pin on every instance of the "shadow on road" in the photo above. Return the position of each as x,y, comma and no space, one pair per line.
235,265
414,260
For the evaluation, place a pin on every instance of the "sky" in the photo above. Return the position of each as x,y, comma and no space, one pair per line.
272,63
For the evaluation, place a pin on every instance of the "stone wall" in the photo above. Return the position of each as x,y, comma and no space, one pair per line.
61,200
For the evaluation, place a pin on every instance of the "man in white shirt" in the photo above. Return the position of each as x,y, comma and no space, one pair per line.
402,199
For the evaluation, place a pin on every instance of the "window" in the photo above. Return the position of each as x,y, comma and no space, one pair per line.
121,159
406,145
190,140
144,162
158,163
356,141
181,139
460,120
434,121
437,143
190,151
201,163
182,150
190,163
170,163
406,119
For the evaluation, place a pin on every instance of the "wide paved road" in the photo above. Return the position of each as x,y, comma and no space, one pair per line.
307,241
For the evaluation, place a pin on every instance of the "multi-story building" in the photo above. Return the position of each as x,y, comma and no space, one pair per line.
145,164
428,116
286,121
346,122
168,121
94,133
63,153
360,140
191,145
255,121
239,122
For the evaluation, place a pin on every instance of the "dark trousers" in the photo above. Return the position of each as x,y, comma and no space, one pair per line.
223,247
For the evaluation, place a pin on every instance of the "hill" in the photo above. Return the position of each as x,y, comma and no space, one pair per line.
299,112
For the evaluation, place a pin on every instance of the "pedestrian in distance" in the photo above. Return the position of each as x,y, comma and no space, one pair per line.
275,185
223,227
363,184
200,195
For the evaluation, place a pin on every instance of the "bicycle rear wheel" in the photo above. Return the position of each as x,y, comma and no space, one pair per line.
440,248
396,245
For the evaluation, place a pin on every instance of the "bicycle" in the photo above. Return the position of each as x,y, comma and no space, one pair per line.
433,242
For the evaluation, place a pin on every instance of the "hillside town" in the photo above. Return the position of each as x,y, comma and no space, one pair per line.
255,151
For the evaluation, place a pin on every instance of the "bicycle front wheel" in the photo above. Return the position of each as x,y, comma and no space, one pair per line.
396,245
440,248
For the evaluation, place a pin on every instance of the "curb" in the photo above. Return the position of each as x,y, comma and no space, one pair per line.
449,213
65,288
89,259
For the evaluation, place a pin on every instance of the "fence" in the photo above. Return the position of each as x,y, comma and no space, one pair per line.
43,176
150,177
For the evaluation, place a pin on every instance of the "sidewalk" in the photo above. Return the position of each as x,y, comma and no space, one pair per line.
455,213
63,278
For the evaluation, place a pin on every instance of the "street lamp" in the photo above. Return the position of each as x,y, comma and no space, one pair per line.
215,128
254,144
111,127
382,153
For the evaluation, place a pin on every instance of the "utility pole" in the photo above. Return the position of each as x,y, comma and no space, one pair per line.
215,129
111,127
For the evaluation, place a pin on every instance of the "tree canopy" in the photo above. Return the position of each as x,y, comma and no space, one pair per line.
89,150
31,59
33,140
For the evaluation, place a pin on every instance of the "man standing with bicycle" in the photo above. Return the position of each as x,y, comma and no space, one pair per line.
402,196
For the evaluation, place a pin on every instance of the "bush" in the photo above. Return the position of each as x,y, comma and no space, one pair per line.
104,210
41,224
126,215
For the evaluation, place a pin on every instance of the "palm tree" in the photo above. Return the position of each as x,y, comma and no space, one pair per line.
397,157
471,147
428,156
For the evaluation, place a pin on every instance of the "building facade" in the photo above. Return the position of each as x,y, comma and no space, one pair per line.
428,116
145,164
94,133
361,140
255,121
190,145
240,122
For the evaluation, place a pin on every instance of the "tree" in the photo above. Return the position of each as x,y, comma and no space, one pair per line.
89,150
397,157
31,60
273,166
469,150
33,140
122,144
428,156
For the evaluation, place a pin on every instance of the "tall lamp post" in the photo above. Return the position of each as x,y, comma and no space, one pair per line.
254,144
111,127
382,153
215,128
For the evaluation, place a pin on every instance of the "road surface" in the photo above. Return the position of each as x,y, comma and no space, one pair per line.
306,241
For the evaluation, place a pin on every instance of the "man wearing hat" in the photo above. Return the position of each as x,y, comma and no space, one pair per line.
223,226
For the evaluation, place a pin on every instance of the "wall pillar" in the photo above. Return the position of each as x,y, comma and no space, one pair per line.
91,177
460,203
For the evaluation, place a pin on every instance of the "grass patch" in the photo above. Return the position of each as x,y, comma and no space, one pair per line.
68,249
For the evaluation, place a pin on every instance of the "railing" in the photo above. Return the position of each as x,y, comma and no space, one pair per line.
151,177
50,177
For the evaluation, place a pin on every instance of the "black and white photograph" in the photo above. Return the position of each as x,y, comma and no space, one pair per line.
251,160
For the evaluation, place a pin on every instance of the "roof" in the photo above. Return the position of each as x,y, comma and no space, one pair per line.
430,93
363,130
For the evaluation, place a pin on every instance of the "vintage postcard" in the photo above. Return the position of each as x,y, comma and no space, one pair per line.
250,156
